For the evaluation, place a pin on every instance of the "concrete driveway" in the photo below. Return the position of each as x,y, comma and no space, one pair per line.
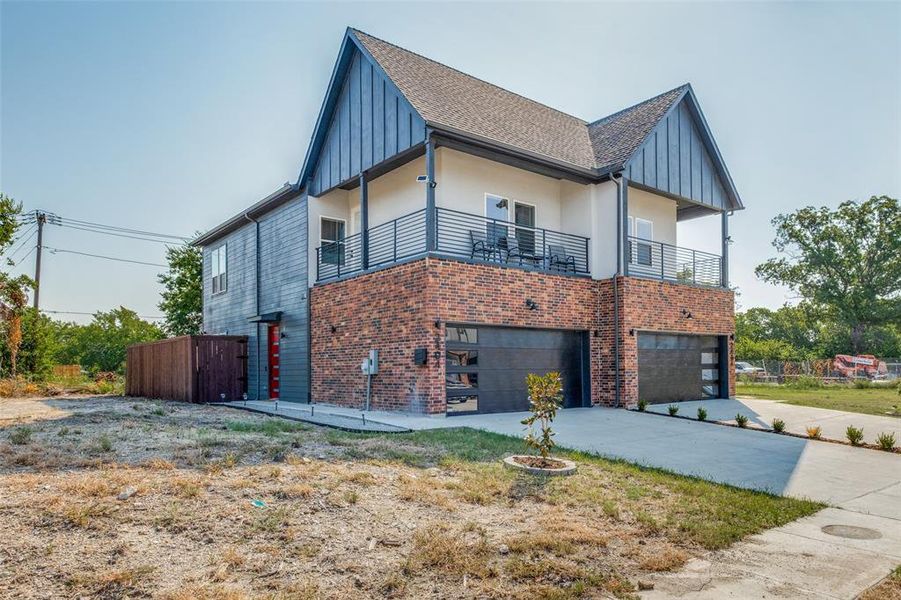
797,419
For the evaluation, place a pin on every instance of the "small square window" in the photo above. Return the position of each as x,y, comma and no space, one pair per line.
465,335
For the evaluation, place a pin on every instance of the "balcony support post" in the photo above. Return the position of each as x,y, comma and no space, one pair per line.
724,256
431,237
364,221
624,244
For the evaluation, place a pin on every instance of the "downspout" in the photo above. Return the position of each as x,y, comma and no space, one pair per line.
256,289
619,270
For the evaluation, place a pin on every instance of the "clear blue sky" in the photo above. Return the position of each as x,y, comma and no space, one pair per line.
173,116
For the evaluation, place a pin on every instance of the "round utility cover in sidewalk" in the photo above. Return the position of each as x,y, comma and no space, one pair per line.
851,532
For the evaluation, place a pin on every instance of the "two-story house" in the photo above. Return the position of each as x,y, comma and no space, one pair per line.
471,236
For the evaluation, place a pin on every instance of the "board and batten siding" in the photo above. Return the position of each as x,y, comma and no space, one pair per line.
371,122
675,159
283,279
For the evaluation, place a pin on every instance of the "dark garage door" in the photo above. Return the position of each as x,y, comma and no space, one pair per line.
672,368
487,366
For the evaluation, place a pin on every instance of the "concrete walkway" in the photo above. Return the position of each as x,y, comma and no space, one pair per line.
797,418
798,560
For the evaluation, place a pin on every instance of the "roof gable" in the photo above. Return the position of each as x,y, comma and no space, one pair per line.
364,120
449,99
678,156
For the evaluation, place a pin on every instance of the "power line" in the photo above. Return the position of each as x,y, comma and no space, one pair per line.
27,254
134,237
22,245
57,220
75,312
137,262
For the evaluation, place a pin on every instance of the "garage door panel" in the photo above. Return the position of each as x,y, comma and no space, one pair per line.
675,367
507,355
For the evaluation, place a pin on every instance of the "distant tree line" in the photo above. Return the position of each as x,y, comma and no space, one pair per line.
845,266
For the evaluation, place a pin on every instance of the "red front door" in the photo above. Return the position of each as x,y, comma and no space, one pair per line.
274,341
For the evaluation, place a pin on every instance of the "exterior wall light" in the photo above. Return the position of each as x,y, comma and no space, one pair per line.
531,304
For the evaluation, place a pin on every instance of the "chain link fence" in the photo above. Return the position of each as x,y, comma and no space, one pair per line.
825,369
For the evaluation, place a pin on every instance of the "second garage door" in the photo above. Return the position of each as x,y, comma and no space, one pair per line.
487,366
672,368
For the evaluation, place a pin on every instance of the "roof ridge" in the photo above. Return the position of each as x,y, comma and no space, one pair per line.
488,83
637,104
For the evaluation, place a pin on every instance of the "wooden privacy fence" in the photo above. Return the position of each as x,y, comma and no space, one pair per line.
191,368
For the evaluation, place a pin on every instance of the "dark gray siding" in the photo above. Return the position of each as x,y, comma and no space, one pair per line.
674,159
372,121
283,277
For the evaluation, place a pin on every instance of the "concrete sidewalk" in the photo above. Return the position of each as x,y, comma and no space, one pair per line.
797,418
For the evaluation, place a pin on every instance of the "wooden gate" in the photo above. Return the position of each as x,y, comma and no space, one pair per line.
196,368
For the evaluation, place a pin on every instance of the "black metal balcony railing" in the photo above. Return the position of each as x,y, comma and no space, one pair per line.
492,240
477,237
456,234
657,260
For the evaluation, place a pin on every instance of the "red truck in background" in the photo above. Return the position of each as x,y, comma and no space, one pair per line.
862,365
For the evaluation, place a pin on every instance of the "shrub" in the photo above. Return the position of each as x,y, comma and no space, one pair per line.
854,435
545,397
702,413
886,441
741,420
778,425
862,384
815,433
642,405
21,436
673,410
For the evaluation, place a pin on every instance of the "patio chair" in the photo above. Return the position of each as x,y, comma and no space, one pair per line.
515,251
559,260
479,245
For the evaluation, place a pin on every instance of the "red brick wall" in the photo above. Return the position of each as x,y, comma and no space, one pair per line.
395,310
389,310
649,305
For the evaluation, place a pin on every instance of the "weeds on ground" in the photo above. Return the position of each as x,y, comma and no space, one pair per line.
642,405
854,435
886,441
21,436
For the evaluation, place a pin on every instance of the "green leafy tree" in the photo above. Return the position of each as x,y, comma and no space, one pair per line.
13,290
182,295
38,348
101,344
845,262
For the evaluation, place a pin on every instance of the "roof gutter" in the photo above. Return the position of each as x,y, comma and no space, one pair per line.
256,289
585,172
619,271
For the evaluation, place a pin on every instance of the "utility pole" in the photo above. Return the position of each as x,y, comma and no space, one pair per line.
41,218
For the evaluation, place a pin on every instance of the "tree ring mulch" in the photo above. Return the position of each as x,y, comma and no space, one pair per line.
536,465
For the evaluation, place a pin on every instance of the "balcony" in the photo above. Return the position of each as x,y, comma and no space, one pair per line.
458,235
657,260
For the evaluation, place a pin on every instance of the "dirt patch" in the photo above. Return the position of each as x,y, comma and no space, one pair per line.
225,504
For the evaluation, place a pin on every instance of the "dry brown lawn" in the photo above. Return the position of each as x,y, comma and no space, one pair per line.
230,505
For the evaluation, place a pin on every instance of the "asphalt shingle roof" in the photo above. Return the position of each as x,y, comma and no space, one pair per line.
445,96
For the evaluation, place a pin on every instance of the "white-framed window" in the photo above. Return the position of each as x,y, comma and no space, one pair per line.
641,229
331,239
522,214
219,269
